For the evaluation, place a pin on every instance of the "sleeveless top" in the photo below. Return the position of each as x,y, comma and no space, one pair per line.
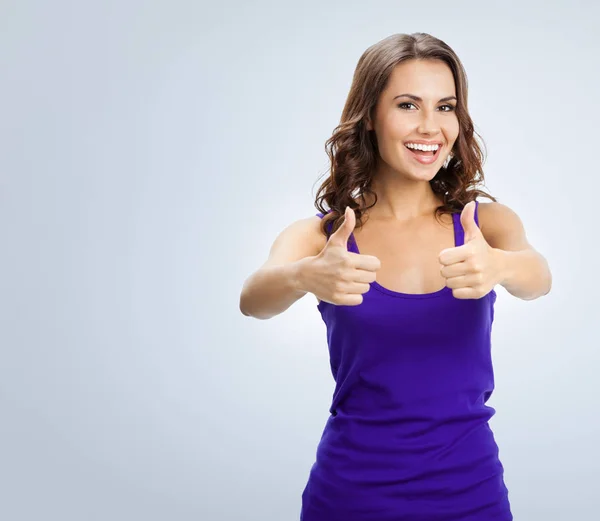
408,436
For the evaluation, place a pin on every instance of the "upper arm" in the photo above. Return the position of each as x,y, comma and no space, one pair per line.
502,227
302,238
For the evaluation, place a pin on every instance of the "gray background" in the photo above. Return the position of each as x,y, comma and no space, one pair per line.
150,154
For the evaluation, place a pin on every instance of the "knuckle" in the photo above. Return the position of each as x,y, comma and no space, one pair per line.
339,272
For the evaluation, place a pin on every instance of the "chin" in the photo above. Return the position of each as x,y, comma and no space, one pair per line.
421,174
413,172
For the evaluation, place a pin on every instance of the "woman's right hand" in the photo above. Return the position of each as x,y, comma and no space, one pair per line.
337,275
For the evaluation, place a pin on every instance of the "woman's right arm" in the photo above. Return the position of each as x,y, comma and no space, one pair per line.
277,284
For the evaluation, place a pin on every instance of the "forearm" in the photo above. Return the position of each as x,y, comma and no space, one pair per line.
271,290
524,274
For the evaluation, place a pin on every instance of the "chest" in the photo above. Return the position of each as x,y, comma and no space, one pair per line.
409,253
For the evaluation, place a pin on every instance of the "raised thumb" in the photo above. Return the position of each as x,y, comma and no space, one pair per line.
467,219
342,234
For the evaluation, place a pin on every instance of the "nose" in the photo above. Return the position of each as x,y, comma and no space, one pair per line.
428,124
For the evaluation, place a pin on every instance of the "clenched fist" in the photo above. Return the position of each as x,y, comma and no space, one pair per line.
339,276
473,269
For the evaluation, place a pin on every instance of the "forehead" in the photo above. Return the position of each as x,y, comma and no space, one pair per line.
424,78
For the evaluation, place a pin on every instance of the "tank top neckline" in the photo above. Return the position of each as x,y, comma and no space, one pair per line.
458,241
401,294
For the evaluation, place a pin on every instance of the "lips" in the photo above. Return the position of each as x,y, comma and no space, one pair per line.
423,157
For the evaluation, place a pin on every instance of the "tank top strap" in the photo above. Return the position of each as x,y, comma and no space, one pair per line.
459,231
320,215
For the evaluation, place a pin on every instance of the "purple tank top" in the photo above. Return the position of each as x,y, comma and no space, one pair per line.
408,438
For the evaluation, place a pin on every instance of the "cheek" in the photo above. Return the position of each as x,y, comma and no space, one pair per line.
403,127
452,128
395,127
390,136
393,140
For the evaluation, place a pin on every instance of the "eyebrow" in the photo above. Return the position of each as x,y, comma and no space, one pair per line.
416,98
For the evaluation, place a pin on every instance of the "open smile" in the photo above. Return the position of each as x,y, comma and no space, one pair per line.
425,158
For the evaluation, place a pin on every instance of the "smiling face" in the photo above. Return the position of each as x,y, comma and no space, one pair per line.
417,106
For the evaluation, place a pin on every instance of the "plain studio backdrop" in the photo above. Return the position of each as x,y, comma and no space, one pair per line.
150,154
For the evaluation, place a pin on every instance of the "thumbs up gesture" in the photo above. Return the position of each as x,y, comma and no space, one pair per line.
473,269
339,276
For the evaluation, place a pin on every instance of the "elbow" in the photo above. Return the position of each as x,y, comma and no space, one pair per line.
546,287
547,279
548,284
247,311
243,306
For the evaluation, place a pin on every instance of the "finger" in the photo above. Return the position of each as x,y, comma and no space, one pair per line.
365,262
366,276
463,293
455,255
466,293
467,220
454,270
464,281
351,300
354,288
341,236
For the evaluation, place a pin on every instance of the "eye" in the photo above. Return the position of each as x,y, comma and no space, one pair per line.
450,108
446,108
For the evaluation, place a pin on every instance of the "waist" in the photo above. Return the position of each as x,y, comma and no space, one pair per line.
353,449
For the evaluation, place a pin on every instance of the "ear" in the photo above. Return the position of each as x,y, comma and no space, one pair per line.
369,125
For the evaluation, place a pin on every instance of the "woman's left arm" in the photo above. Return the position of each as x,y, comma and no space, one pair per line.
523,271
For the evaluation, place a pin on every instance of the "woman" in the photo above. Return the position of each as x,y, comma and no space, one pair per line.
404,266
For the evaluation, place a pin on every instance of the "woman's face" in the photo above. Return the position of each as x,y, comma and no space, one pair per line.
417,106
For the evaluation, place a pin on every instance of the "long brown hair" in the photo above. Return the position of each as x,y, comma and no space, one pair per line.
352,149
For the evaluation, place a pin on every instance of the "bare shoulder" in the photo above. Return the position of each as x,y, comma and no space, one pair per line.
502,227
302,238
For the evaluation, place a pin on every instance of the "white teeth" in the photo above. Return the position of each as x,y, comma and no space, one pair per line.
424,148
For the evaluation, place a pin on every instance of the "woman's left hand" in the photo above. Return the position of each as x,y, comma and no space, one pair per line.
473,269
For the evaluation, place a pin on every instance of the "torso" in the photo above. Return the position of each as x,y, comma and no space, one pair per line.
409,252
408,433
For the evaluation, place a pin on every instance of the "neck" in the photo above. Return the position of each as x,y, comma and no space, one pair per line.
401,199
